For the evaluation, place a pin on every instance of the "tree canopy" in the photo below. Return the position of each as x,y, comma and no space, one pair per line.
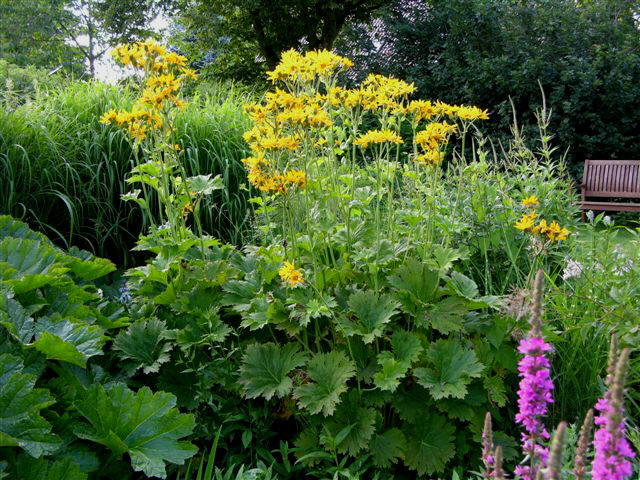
585,55
250,35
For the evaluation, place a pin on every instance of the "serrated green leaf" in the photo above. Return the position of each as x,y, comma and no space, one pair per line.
11,227
452,368
143,424
372,312
386,448
416,284
29,264
305,445
406,346
357,421
496,390
429,444
447,315
43,469
329,373
20,403
85,266
15,318
406,349
457,409
144,342
68,341
265,369
392,372
410,404
204,184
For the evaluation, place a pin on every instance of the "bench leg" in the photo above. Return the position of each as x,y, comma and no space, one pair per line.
584,216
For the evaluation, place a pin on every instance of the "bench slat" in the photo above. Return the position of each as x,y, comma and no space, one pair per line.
612,178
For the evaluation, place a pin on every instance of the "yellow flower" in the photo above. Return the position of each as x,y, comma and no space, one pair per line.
421,109
175,59
542,228
109,117
530,202
556,233
377,136
434,135
296,177
527,222
430,157
471,113
442,108
289,274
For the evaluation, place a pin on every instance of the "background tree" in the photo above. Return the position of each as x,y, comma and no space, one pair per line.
97,25
586,56
50,33
249,35
30,35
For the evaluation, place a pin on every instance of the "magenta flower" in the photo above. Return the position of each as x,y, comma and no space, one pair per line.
612,450
534,394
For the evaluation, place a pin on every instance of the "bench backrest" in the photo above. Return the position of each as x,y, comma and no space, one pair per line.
612,178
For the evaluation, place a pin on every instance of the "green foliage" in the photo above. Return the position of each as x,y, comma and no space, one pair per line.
265,369
372,312
41,469
429,444
30,34
52,158
55,323
21,424
595,295
144,425
329,373
144,343
451,369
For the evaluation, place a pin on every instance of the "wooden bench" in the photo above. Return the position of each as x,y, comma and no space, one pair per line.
610,179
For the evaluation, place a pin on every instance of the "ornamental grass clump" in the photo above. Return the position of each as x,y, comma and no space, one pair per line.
612,451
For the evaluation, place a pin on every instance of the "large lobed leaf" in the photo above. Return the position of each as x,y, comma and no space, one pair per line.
429,444
372,312
352,424
143,424
394,365
265,369
329,373
61,339
20,403
144,344
27,264
452,368
416,284
43,469
386,448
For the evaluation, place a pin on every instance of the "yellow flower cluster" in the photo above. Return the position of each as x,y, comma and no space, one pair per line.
430,157
435,134
137,122
165,73
377,136
554,232
289,274
431,139
264,179
294,66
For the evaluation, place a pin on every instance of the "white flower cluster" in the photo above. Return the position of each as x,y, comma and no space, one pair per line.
572,269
